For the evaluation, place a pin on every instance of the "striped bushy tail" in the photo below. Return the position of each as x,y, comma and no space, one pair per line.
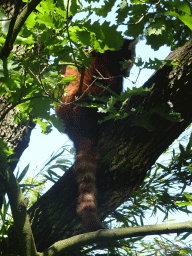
85,167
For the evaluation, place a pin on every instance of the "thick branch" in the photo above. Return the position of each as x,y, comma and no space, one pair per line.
63,247
15,26
21,220
16,135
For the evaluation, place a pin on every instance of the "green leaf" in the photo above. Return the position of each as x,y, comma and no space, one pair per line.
105,9
184,251
183,12
182,150
157,33
46,10
188,196
185,7
2,40
74,6
31,21
163,167
157,64
156,29
185,236
107,37
23,173
122,11
80,34
5,151
189,168
185,18
49,178
45,126
23,41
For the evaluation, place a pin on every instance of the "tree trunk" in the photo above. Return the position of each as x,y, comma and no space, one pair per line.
16,135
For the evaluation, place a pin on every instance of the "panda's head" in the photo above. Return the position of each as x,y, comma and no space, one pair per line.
120,62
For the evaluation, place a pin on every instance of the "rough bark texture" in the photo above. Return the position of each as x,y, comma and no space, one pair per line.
127,152
16,135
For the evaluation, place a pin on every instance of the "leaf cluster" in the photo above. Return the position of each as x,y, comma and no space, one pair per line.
45,33
161,22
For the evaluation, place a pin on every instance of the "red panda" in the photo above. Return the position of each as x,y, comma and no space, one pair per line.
81,123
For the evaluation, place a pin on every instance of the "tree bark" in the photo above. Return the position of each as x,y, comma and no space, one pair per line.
126,151
16,135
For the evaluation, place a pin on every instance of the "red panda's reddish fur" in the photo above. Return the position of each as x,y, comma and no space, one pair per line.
81,124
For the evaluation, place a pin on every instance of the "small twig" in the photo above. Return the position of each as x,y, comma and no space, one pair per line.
140,69
5,19
142,17
8,43
67,27
38,78
35,76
